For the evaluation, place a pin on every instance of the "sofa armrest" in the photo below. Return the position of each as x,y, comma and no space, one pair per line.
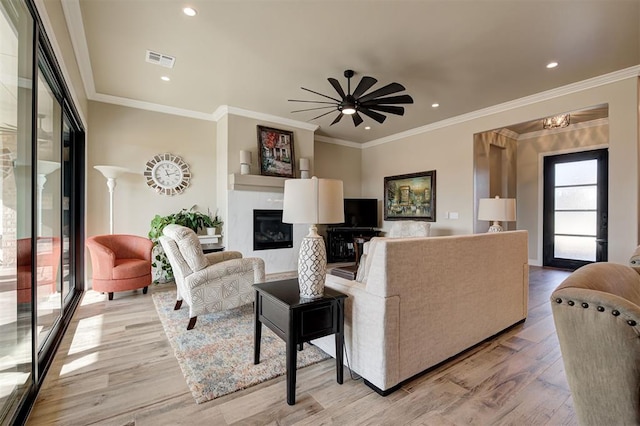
634,261
221,256
103,259
371,331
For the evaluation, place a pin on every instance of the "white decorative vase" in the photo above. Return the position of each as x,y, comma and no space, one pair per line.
312,267
211,231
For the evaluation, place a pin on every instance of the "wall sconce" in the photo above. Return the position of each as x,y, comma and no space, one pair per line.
304,168
245,162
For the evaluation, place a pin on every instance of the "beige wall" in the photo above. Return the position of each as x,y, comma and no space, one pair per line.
129,137
531,153
339,162
449,151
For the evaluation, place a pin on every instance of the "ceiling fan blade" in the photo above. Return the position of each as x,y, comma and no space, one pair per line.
401,99
312,102
321,115
336,85
383,91
376,116
325,96
387,108
364,85
338,118
314,109
357,120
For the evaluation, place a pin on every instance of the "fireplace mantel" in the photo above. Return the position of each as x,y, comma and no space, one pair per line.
240,182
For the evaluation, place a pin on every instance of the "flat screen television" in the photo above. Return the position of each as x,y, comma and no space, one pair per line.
360,213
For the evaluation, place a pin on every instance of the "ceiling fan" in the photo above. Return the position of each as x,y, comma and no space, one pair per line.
358,102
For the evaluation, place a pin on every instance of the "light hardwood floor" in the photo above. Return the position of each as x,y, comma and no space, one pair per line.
116,367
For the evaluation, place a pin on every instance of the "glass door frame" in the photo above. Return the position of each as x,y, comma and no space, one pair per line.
548,221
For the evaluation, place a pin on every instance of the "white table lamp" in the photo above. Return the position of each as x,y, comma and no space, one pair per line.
111,173
497,209
312,201
304,168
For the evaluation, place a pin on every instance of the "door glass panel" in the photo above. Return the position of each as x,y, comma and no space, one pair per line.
578,248
67,173
577,173
16,52
576,223
576,198
575,210
48,208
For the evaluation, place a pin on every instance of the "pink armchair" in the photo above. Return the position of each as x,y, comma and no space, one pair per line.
120,262
48,263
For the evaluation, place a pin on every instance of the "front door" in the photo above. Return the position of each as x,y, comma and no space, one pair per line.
575,209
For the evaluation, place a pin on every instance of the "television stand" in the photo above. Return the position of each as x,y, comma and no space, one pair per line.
342,245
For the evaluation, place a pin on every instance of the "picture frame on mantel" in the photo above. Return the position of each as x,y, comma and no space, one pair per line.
275,152
410,197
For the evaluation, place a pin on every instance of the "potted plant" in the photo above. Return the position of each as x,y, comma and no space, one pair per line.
190,218
215,223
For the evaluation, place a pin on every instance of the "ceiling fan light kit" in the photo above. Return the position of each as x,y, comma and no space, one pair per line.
369,104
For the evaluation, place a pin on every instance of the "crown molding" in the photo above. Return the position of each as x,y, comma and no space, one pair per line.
149,106
48,28
223,110
518,103
335,141
75,26
508,133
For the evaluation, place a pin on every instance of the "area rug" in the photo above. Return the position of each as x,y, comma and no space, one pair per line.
216,357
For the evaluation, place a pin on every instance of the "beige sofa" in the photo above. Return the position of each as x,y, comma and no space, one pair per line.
423,300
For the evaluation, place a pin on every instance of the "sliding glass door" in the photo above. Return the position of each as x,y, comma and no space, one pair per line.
41,187
16,191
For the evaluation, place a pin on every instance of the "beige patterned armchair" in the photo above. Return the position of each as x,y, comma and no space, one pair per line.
208,282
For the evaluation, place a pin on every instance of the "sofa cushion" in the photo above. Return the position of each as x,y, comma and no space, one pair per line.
188,244
130,268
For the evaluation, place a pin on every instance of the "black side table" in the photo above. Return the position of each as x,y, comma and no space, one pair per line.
295,320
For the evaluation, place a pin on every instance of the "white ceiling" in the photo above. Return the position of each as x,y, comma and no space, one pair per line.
255,55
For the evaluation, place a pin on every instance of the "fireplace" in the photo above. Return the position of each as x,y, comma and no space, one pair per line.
269,232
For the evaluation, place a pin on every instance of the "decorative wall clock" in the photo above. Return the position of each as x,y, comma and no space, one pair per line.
167,174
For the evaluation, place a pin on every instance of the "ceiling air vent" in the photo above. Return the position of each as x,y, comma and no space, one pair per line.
160,59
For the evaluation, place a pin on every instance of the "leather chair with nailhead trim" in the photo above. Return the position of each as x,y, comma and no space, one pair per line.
596,311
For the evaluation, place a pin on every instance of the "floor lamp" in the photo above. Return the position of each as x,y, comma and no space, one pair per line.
312,201
44,168
111,173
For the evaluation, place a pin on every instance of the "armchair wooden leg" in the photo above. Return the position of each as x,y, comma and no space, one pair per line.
192,323
145,289
178,304
110,295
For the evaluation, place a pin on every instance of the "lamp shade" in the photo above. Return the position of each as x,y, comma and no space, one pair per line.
313,201
497,209
111,172
245,157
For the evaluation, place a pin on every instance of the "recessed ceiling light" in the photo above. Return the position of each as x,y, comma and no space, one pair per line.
436,105
367,128
189,11
552,65
165,78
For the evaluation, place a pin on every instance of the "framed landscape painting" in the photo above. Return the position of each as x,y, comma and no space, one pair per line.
410,197
275,150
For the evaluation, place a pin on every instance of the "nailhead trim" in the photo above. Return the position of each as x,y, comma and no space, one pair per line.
585,305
